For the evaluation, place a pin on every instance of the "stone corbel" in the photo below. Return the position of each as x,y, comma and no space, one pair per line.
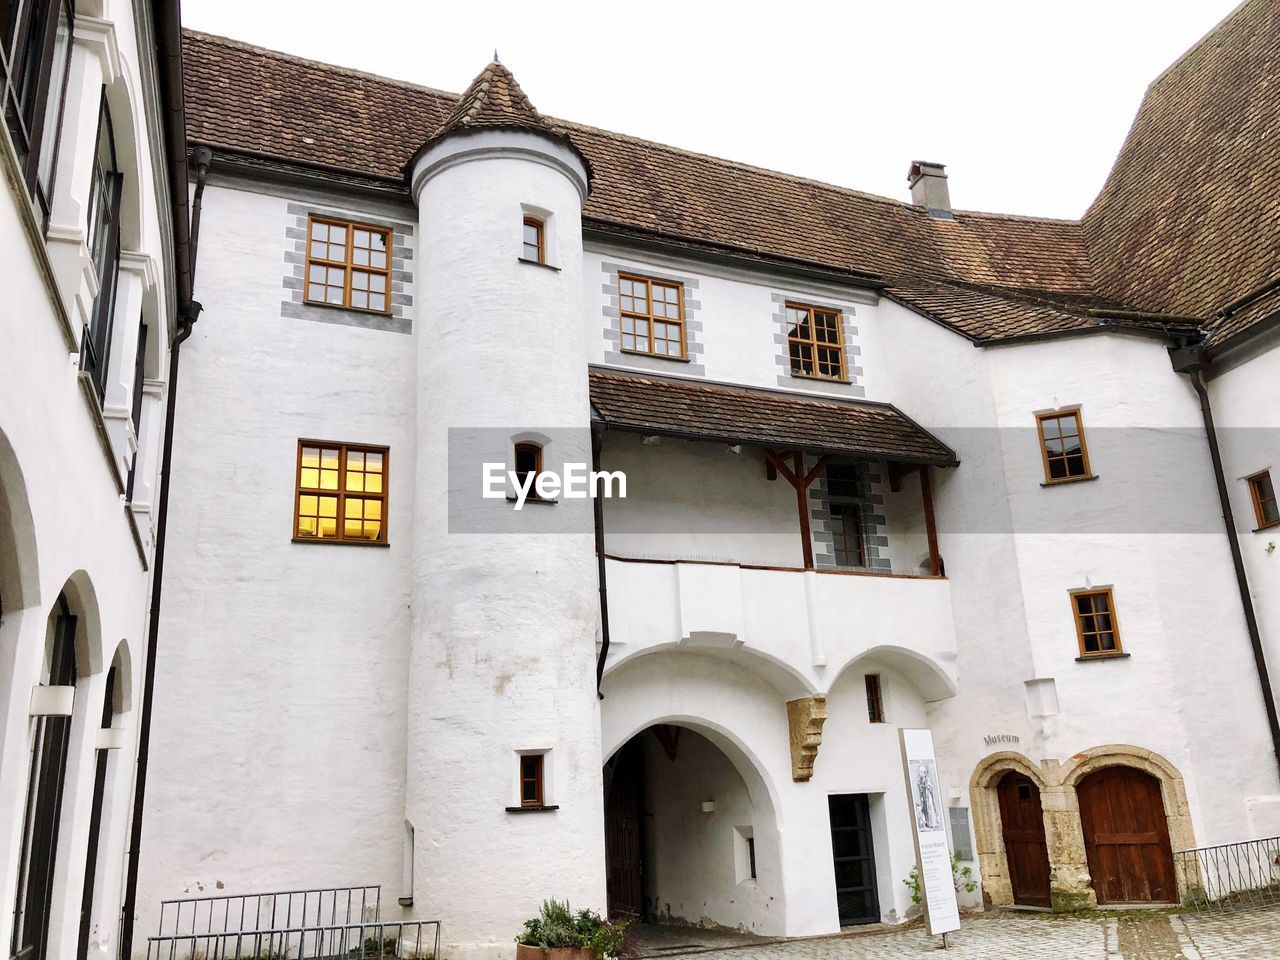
805,719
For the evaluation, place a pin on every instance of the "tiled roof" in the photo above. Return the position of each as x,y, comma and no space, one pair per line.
1189,218
1186,223
683,408
493,99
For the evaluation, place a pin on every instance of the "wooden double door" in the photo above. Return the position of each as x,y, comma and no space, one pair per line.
1126,837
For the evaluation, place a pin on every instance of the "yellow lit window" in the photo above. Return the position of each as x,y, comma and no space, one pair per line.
341,493
815,342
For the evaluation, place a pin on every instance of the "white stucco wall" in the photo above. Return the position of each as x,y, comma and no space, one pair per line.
64,525
279,731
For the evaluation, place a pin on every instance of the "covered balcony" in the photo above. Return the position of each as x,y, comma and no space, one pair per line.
801,528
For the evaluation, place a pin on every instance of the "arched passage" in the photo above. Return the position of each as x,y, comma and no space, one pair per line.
687,838
681,730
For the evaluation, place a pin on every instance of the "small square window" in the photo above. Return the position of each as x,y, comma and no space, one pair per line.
532,780
1062,446
1096,626
535,247
1263,492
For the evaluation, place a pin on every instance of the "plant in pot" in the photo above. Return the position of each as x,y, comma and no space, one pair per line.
557,933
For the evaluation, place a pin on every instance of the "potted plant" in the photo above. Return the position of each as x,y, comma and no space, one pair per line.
557,933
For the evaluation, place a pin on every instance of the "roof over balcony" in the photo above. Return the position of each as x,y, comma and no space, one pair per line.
668,407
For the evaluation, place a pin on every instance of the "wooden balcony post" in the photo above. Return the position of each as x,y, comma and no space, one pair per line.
800,480
931,529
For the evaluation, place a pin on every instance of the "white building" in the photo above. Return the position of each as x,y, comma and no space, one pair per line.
92,223
888,465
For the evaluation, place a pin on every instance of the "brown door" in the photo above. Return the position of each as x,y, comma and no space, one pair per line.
1022,826
623,842
1126,837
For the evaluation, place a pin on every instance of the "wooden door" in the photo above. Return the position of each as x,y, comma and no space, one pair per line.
856,895
1022,826
1126,837
623,839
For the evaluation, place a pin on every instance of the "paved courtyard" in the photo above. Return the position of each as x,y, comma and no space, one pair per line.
1126,936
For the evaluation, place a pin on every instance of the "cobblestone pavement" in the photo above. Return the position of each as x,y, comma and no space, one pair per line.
1138,935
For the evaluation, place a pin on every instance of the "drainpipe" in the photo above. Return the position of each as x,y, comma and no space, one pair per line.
597,506
1193,361
168,32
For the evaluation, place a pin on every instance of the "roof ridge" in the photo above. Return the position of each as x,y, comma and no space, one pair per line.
571,125
221,40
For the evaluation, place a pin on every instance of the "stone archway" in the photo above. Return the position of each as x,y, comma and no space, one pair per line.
997,888
1071,886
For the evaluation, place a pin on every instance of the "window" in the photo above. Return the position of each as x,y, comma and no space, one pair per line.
815,342
751,856
535,247
845,510
348,266
652,316
1264,499
1096,625
1062,446
104,239
528,461
342,493
875,700
35,59
531,793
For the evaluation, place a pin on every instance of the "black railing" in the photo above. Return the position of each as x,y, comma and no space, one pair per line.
1230,876
278,910
375,940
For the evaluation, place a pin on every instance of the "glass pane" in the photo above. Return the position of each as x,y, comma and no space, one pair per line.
310,478
355,482
373,461
361,239
373,509
306,527
328,506
307,505
1049,427
373,482
311,456
377,301
360,257
328,528
354,508
315,292
359,298
378,260
334,295
377,283
319,231
378,241
329,480
338,235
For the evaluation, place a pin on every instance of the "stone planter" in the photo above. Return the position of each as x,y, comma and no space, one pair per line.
526,952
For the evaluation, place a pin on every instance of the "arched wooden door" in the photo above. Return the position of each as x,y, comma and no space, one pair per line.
1126,837
1022,827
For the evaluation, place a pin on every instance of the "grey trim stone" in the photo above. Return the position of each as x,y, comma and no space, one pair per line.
295,259
870,498
693,345
782,358
296,310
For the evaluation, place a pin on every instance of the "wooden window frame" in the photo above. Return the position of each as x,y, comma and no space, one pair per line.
1085,653
650,319
1049,478
853,502
539,225
814,344
347,265
1255,495
875,697
538,779
537,464
341,493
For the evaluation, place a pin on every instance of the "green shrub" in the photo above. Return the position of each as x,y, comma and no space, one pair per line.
961,876
556,925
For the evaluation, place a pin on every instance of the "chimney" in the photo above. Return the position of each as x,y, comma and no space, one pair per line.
929,188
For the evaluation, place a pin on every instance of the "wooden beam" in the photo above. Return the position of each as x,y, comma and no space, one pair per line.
775,460
930,526
802,504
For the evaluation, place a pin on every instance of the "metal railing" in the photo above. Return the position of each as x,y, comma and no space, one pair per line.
374,940
277,910
1230,876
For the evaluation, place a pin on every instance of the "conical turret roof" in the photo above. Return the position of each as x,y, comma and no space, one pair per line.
494,99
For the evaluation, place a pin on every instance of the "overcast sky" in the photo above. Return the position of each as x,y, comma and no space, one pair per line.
1025,102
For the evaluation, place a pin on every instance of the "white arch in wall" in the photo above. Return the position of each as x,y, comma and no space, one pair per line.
83,599
789,681
930,679
122,662
19,566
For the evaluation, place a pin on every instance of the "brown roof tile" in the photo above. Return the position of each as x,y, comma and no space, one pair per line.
682,408
1187,221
